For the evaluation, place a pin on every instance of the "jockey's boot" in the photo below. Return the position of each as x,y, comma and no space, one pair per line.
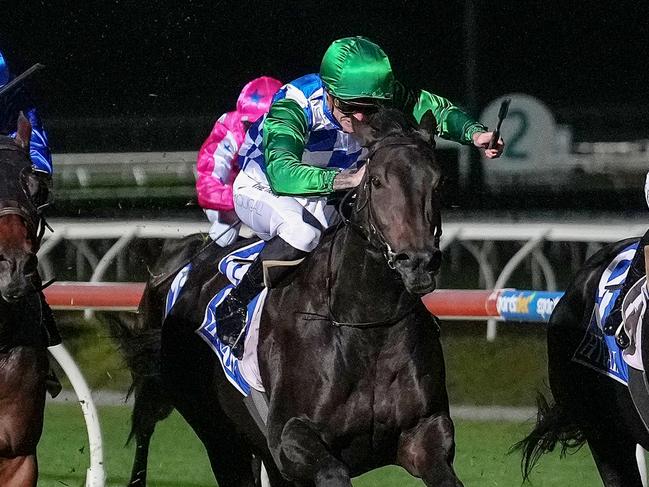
636,271
231,313
52,383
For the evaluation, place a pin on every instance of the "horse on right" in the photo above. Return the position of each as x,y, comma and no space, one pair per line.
593,403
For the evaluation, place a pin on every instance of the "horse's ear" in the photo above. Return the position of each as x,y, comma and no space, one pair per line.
23,132
428,126
363,132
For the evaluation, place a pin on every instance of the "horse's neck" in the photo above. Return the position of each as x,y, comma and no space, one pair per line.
20,325
364,288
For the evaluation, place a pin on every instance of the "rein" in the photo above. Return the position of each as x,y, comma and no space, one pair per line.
373,235
398,316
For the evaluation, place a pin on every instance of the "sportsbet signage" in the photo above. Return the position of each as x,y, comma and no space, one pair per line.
527,305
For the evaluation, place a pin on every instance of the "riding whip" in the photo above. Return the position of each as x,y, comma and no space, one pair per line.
502,114
20,78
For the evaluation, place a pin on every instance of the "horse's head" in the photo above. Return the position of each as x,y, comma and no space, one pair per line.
398,204
18,216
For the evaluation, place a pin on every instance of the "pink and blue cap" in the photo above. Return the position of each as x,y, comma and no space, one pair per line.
256,97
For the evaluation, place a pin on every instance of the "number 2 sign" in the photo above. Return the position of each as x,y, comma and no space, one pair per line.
528,132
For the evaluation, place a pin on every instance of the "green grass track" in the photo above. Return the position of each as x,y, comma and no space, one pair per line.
177,457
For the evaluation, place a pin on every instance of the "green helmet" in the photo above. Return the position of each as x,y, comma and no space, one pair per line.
355,67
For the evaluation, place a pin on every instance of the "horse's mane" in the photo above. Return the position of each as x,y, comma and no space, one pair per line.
390,122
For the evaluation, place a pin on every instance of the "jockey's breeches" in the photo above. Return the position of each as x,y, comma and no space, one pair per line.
296,220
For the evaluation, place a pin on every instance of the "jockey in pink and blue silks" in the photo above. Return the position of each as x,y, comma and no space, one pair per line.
217,159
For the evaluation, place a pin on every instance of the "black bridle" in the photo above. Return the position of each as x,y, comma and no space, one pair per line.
15,196
372,234
374,237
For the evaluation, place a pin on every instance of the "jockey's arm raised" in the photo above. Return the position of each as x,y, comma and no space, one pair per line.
286,130
452,123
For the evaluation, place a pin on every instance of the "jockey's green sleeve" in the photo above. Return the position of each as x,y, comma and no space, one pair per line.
452,123
285,132
286,129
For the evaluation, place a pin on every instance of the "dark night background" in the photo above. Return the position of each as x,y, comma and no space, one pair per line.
116,58
126,75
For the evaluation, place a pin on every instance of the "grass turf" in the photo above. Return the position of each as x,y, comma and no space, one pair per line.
177,457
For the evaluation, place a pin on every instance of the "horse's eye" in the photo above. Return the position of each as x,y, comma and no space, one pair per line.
376,182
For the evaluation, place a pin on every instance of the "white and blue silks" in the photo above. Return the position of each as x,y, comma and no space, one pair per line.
326,146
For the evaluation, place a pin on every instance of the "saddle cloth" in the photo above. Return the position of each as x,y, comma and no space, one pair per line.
597,350
243,374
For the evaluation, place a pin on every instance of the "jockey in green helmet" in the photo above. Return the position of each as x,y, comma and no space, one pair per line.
305,149
356,68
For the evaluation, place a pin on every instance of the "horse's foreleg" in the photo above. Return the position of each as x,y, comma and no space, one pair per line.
427,451
19,471
305,457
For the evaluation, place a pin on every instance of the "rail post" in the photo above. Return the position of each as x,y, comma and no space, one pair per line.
95,475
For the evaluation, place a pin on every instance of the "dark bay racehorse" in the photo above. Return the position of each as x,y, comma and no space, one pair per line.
350,358
23,340
589,407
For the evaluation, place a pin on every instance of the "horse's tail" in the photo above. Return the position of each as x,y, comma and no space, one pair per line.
553,426
140,346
